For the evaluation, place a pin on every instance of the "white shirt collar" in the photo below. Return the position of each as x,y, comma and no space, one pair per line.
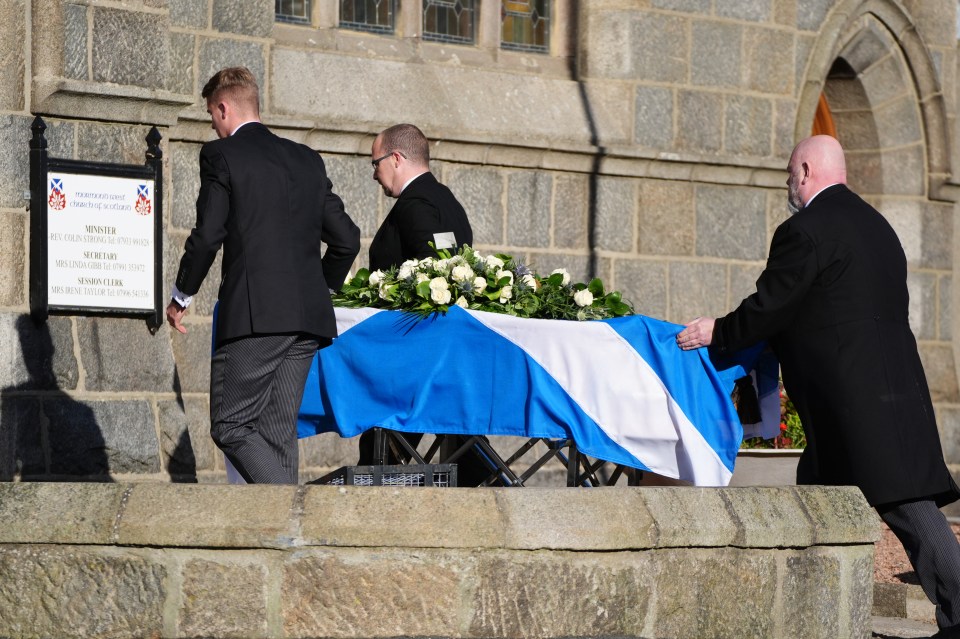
818,193
242,124
407,183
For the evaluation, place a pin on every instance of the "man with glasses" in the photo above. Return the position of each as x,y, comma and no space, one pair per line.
425,211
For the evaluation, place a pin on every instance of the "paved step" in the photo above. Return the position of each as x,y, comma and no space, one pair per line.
898,628
904,601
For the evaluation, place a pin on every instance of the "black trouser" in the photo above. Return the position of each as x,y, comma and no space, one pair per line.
934,552
256,385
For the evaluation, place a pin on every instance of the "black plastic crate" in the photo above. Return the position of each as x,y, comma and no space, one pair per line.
439,475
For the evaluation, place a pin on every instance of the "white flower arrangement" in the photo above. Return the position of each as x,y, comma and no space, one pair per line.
493,283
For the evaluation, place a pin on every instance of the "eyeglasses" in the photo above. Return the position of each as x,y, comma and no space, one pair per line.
380,159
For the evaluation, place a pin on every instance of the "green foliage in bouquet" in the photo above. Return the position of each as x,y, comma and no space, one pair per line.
791,430
494,283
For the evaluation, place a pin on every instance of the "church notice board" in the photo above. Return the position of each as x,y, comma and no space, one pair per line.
96,245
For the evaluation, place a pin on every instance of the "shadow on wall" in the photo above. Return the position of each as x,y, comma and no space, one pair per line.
44,433
182,463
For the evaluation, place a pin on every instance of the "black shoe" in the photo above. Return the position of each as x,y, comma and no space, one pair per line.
953,632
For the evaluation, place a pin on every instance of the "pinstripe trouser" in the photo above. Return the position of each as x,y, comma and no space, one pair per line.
934,552
256,385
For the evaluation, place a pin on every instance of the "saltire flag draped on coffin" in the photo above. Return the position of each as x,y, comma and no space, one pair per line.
620,388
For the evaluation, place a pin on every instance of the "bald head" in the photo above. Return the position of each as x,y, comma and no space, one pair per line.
815,164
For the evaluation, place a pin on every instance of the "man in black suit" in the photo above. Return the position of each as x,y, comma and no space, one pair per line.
425,211
832,302
269,203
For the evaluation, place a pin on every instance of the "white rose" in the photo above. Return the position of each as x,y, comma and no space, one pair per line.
506,293
440,295
493,262
566,276
384,290
530,281
442,266
461,274
427,263
439,284
479,284
583,298
505,274
422,277
407,269
456,260
376,277
461,302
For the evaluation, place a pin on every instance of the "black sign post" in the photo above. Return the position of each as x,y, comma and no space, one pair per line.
96,235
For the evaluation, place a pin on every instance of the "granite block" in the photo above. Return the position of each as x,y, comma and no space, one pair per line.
362,197
224,598
105,347
243,17
748,126
643,283
14,268
715,46
731,222
696,289
37,356
570,210
480,191
699,121
653,119
209,516
666,218
616,203
95,438
74,592
923,304
139,47
185,441
12,55
382,594
528,208
525,595
59,513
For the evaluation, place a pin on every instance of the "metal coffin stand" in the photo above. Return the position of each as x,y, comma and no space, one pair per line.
581,470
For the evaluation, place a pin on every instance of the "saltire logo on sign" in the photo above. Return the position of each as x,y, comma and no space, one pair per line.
57,201
143,206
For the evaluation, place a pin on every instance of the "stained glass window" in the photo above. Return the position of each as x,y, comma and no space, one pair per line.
525,25
295,11
368,15
449,21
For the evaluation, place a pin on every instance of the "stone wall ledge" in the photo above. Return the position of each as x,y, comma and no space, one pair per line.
138,105
175,561
290,517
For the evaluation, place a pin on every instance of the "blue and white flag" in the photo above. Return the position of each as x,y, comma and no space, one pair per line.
620,388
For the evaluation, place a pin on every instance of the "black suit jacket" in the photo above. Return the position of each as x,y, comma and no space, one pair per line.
269,203
423,209
833,303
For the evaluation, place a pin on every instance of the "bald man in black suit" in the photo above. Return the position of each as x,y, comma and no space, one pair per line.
833,304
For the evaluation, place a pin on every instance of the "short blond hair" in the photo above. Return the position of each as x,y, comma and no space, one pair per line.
236,84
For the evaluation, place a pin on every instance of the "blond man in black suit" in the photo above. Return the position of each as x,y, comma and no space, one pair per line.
269,203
